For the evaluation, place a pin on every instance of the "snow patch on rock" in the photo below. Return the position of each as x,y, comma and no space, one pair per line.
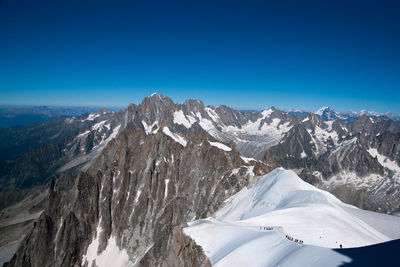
221,146
179,118
112,255
179,139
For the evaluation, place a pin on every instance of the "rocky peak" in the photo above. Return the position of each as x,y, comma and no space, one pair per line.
156,108
312,120
194,106
273,113
370,125
340,128
230,116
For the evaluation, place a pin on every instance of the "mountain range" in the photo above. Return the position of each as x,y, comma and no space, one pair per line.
124,184
17,116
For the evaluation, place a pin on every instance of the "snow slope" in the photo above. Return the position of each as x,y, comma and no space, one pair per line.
259,225
177,138
221,146
112,255
228,244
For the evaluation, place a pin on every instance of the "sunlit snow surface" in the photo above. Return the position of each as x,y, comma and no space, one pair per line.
251,229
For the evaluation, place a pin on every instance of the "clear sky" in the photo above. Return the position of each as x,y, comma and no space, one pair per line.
245,54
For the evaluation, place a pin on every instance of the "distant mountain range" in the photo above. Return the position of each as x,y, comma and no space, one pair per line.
11,116
327,114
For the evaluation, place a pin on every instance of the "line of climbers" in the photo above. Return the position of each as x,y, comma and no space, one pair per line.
295,240
266,228
289,237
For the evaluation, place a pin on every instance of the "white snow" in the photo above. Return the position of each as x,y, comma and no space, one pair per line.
384,161
329,123
343,145
229,245
303,154
112,255
267,112
213,115
179,139
320,137
220,146
247,160
329,113
114,133
104,142
83,134
324,134
148,128
166,188
179,118
282,201
254,133
258,134
91,117
206,124
98,125
255,128
321,110
235,171
371,182
138,193
250,170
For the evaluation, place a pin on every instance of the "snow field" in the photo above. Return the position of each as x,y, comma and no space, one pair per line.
287,206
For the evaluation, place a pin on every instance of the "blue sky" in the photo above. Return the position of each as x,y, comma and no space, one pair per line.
245,54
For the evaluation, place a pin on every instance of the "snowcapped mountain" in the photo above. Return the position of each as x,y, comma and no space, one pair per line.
122,181
328,114
283,221
303,143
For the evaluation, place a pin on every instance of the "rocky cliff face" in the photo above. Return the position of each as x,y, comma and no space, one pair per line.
132,201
